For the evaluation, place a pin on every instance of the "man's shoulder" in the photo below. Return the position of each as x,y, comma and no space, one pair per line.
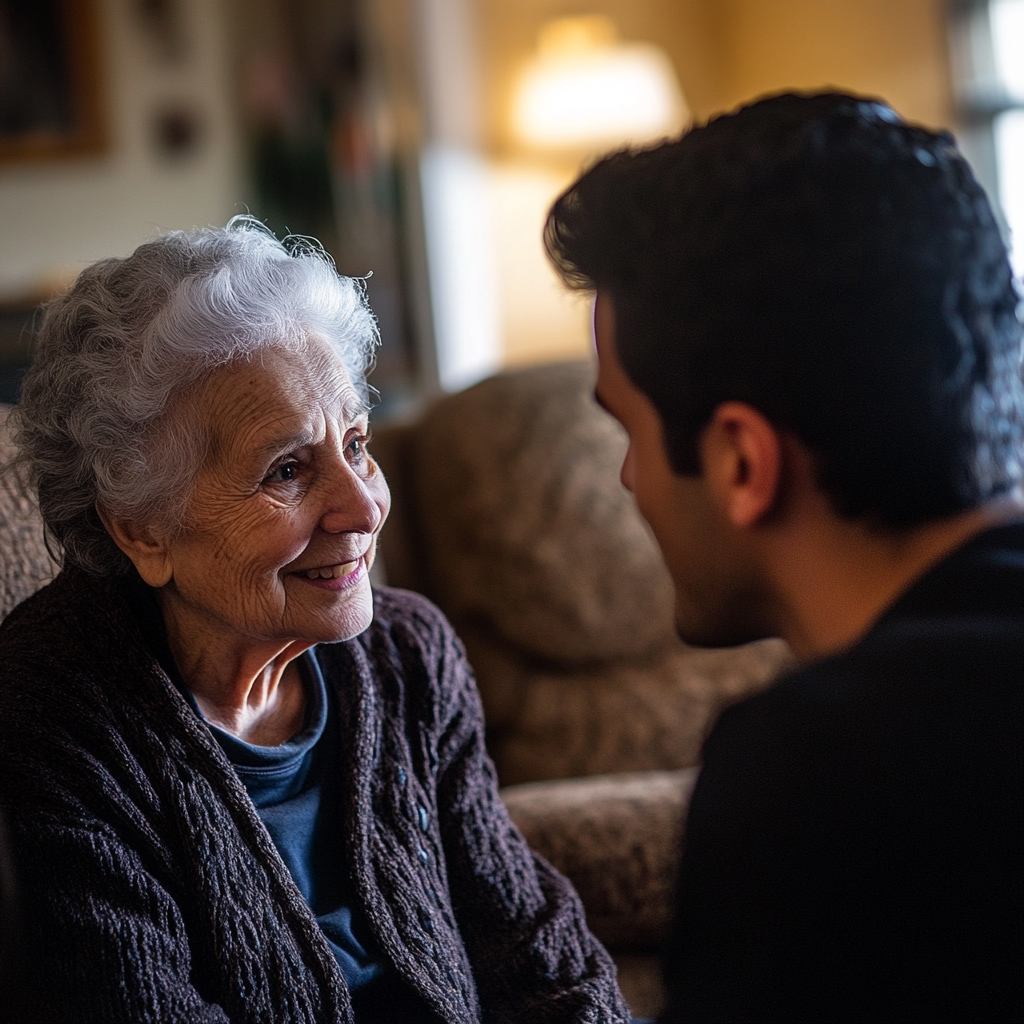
957,631
862,821
942,666
956,664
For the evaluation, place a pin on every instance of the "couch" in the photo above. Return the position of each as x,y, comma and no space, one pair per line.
25,564
508,512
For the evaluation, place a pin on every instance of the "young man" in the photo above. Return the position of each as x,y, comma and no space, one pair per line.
806,324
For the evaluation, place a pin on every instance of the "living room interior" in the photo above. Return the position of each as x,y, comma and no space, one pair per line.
401,133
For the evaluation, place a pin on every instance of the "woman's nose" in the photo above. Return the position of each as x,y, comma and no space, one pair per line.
351,502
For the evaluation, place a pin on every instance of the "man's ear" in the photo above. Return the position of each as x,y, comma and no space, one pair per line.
742,456
147,548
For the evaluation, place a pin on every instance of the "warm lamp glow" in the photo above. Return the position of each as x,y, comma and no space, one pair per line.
585,90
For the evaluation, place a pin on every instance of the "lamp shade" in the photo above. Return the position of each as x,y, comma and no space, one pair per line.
584,90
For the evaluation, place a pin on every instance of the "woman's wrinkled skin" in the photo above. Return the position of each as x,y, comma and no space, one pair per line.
278,542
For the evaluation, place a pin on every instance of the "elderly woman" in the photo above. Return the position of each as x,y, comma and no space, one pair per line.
241,785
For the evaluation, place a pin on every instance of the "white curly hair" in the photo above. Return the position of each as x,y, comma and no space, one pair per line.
101,419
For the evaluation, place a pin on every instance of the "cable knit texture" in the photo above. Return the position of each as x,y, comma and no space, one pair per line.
156,893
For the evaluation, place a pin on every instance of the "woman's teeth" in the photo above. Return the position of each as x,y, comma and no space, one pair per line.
332,572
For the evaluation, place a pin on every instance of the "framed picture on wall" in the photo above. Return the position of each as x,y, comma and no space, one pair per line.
50,96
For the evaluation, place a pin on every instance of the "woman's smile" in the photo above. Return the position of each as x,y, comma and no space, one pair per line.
334,577
290,503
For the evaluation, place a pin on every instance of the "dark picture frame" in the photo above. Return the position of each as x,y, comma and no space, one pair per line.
51,104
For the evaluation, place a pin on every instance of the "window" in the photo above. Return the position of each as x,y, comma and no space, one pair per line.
987,42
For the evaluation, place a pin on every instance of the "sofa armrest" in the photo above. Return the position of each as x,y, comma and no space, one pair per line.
616,837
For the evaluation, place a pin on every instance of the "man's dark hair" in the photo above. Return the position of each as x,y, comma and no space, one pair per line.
832,266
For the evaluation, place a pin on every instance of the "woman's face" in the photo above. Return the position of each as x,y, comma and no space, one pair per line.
283,522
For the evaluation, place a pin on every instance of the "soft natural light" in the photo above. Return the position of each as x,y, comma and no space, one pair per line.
1007,19
584,90
1009,130
463,277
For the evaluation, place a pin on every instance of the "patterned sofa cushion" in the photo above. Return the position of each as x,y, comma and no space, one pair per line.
527,526
25,564
509,513
617,838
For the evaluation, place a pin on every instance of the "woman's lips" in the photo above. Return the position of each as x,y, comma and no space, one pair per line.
334,577
327,572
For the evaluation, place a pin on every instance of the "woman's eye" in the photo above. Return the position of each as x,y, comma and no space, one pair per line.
283,473
357,447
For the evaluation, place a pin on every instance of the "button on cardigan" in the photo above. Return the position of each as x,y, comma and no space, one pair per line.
155,892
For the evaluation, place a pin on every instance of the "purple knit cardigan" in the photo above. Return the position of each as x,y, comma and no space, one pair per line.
154,893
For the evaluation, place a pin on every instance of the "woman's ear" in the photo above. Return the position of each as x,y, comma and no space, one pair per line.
147,548
742,457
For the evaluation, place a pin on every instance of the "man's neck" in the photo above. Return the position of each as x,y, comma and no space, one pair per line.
834,578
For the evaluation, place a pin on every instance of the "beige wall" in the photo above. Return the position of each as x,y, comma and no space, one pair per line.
59,216
726,52
891,48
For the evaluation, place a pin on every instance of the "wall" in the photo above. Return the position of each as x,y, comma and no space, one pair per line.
57,217
540,321
726,52
891,48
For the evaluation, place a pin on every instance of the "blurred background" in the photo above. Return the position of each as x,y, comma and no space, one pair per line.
423,140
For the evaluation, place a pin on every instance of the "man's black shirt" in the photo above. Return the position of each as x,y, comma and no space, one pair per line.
855,843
